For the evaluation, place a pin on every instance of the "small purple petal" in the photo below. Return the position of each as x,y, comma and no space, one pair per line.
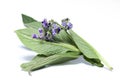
45,23
34,36
40,30
41,33
54,32
64,23
54,26
69,25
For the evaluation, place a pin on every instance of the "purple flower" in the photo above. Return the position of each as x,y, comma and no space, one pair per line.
45,23
41,33
54,26
40,30
53,32
34,36
56,29
69,25
64,23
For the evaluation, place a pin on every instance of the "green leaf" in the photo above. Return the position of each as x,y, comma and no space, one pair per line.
30,22
27,19
34,25
63,36
41,46
95,62
39,62
25,66
88,51
84,47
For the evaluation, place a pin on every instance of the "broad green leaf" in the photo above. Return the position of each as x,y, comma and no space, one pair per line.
88,51
41,46
84,47
39,62
27,19
34,25
30,22
24,66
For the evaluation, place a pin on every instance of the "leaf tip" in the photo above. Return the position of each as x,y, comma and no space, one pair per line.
27,19
111,68
16,31
23,15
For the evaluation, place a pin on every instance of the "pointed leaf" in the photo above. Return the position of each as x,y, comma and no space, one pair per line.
27,19
84,47
40,62
41,46
34,25
91,55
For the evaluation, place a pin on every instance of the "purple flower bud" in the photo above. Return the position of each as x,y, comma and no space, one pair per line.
69,25
64,23
54,26
41,33
56,29
40,30
53,32
34,36
45,23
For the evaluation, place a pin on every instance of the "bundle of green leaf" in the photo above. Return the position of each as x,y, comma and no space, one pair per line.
55,43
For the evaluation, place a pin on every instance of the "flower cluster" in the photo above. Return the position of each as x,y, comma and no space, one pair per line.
68,25
51,28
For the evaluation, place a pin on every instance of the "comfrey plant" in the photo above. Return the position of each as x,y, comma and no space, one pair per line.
55,43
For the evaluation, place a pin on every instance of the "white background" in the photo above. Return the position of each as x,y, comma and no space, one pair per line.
97,21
